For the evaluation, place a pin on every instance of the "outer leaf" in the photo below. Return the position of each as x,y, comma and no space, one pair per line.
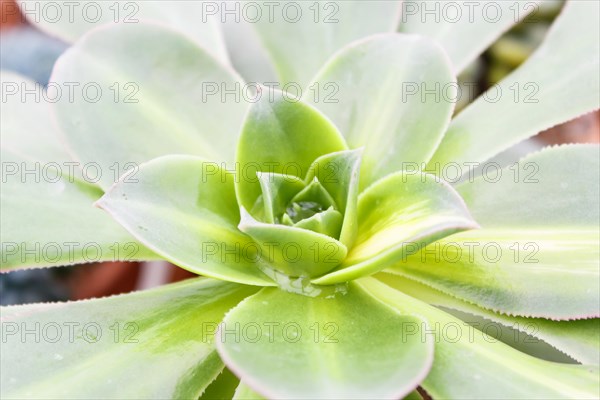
48,219
134,66
578,339
222,388
469,364
546,90
164,335
42,188
339,174
281,134
296,252
26,128
556,189
414,395
540,230
69,21
184,208
396,217
303,35
463,28
246,52
398,107
531,273
349,346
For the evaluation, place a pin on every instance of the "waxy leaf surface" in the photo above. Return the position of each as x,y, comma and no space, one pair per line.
540,231
471,365
349,346
165,336
463,28
283,135
69,21
396,217
385,105
559,82
301,36
579,339
184,208
150,92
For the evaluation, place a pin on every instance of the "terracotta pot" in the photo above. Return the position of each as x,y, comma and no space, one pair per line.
10,15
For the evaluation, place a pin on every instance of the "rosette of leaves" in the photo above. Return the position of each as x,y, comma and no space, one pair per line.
336,262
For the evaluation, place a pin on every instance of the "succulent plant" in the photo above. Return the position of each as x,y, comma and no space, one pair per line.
351,238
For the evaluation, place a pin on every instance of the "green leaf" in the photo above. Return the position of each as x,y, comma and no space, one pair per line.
293,251
545,91
511,271
470,364
138,114
414,395
27,128
541,228
164,335
222,388
277,191
328,222
243,392
281,135
248,55
44,197
314,192
579,339
285,345
385,106
556,189
396,217
184,209
301,36
69,21
48,219
339,175
464,29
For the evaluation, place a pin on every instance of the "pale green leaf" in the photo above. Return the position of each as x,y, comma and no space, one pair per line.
69,21
546,90
541,229
184,208
26,128
142,91
281,134
301,36
243,392
294,251
339,175
527,272
396,217
277,191
463,28
95,348
471,365
557,188
247,54
47,213
48,219
328,222
579,339
398,108
350,346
